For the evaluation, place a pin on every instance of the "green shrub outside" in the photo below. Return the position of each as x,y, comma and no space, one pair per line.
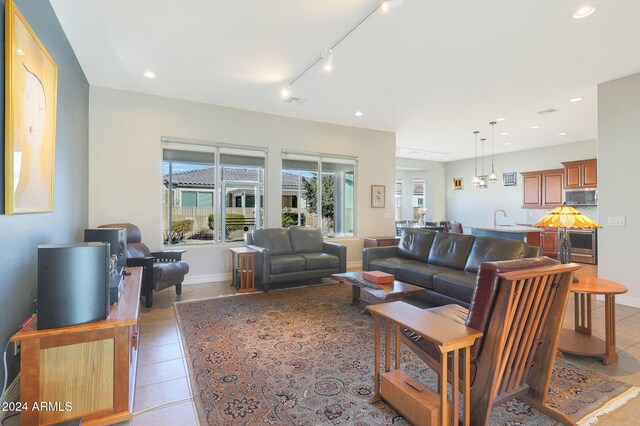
234,221
291,219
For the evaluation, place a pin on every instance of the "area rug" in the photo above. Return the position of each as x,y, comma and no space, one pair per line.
304,356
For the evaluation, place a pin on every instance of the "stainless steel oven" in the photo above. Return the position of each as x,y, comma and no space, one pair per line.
584,245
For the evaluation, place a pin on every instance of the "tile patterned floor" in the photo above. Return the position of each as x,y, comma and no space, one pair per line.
163,395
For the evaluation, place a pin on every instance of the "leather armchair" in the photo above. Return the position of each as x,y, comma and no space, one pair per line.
162,269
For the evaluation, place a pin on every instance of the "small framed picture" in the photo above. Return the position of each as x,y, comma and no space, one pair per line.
510,179
377,196
458,183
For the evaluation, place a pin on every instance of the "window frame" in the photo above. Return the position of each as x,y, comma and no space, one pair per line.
217,149
319,159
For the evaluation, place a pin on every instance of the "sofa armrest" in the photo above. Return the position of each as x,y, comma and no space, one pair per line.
337,250
169,255
371,253
263,265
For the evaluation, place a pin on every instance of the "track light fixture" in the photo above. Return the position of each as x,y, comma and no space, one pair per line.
492,177
327,55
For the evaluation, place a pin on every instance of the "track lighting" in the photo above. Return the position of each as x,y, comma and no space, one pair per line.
327,55
286,92
388,5
328,59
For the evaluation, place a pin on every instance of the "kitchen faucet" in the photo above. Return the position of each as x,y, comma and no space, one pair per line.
495,222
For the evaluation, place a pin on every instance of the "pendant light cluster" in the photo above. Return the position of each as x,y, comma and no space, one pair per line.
326,57
481,180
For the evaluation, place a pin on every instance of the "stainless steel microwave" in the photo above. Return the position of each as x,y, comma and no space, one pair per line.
581,197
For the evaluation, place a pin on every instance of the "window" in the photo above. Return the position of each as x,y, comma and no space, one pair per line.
327,203
398,199
419,186
211,193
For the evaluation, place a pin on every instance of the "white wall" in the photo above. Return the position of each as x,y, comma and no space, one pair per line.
125,164
618,161
473,206
434,174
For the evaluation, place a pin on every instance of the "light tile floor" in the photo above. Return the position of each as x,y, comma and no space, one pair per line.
163,394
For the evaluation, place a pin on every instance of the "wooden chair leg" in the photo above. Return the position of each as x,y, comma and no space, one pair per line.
179,289
149,297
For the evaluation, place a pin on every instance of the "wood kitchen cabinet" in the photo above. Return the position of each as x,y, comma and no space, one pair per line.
542,189
549,242
581,174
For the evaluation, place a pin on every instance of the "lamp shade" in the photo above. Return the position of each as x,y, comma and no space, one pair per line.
566,217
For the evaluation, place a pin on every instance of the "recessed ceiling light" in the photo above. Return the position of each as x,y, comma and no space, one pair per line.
149,74
20,52
535,127
286,92
504,133
446,158
562,133
500,119
359,114
575,99
507,143
583,12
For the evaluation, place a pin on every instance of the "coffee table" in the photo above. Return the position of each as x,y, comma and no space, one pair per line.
580,341
397,290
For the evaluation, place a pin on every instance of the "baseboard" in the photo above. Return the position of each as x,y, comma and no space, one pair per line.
356,264
204,279
12,394
621,299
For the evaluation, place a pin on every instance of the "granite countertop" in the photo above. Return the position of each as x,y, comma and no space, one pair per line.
517,229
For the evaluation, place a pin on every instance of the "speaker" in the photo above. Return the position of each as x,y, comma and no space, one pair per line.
116,237
73,284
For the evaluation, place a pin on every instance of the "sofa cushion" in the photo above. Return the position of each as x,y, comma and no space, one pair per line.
458,284
418,273
274,239
450,250
287,263
415,244
320,261
386,264
305,239
490,249
170,271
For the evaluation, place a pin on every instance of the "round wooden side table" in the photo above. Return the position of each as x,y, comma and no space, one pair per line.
580,341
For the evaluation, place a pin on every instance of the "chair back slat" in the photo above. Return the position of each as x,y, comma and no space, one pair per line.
523,334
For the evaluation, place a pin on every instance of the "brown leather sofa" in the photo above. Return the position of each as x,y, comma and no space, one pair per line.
446,264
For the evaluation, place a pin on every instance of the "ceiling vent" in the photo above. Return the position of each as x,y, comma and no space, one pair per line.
295,100
547,111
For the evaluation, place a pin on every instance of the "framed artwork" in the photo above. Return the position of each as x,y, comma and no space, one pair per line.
31,78
510,179
458,183
377,196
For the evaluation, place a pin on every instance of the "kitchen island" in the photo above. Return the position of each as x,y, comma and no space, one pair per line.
528,234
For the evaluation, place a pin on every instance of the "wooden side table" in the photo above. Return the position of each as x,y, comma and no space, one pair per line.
243,261
416,402
381,241
580,341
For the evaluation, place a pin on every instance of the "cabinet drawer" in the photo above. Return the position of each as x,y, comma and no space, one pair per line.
420,408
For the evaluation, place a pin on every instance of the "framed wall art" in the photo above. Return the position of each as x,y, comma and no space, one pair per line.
510,179
31,78
458,183
377,196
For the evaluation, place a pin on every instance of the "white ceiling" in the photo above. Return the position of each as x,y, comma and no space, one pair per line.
432,71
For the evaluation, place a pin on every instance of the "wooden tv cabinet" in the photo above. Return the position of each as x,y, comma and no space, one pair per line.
85,371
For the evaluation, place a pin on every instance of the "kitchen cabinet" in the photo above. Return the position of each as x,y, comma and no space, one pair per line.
581,174
549,242
542,189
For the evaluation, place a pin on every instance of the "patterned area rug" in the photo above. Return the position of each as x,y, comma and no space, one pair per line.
304,356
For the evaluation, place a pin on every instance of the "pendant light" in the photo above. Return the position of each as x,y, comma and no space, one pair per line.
483,177
476,179
492,177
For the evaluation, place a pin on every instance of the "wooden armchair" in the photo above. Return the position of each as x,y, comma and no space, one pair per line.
519,306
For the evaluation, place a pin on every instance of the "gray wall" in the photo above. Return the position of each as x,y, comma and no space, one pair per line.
473,206
21,234
618,161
